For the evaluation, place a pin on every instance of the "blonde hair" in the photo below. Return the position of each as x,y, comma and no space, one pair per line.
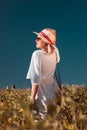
48,48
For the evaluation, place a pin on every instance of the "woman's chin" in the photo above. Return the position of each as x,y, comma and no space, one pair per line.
37,46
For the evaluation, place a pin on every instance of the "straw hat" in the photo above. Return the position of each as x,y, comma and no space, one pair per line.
48,35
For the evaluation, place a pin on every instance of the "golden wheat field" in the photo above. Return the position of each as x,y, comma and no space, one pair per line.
69,111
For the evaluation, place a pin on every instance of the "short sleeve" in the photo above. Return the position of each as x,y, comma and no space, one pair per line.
34,68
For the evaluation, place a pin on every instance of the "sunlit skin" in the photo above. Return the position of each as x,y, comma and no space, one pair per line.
39,43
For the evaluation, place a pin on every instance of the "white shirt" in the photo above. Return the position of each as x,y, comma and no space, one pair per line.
41,72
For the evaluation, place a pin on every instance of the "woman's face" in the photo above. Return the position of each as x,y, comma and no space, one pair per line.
39,43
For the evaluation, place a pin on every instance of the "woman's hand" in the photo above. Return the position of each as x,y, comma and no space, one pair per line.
33,106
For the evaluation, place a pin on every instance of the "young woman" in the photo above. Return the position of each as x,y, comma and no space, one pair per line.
42,68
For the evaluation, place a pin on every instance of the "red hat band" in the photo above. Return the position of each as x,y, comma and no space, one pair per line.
47,38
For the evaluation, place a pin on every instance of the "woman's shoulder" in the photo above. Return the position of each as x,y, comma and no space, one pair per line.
37,52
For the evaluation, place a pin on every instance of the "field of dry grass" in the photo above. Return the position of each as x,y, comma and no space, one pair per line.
68,112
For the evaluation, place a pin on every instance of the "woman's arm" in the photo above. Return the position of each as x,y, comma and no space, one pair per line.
34,92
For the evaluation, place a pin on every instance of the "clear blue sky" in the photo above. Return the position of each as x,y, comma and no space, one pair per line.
18,19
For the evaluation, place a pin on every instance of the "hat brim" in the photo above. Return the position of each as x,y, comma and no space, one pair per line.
36,33
41,36
44,39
